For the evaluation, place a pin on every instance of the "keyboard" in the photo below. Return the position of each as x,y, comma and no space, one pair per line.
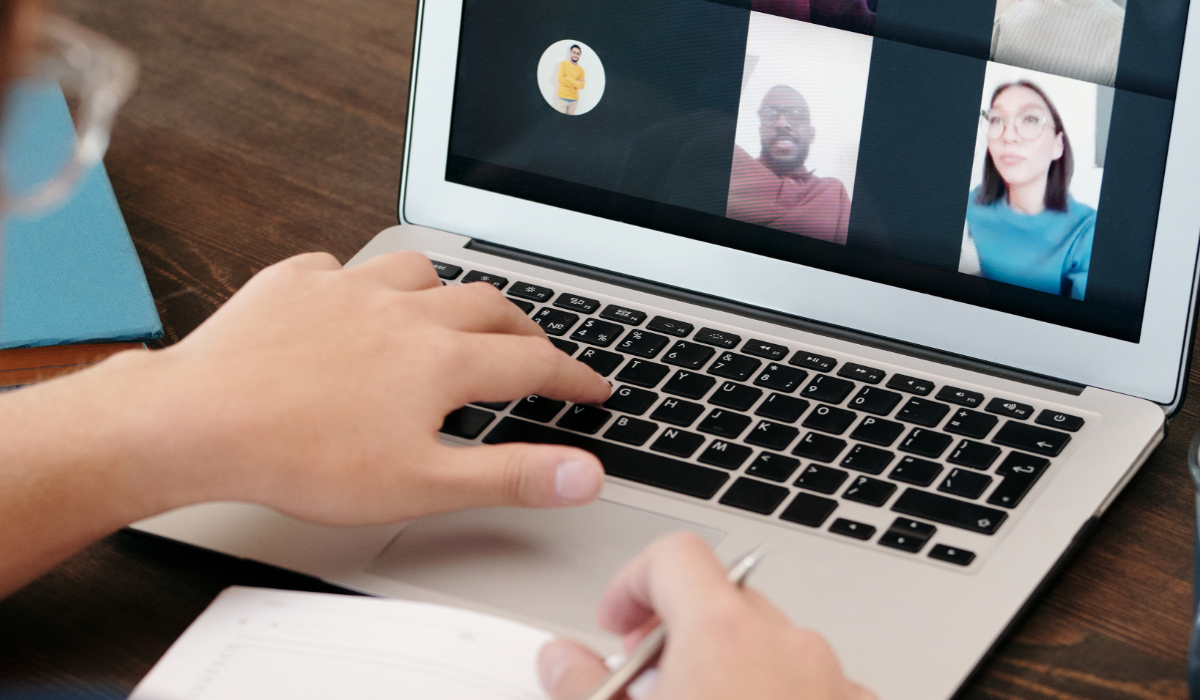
861,451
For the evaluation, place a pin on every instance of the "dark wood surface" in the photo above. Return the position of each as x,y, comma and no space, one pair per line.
262,129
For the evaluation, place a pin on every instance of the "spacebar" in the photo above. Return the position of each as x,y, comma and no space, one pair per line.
619,461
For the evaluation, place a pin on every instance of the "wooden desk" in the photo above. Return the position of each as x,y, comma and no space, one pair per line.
263,129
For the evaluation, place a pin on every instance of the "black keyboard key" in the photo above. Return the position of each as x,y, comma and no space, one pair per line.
446,271
1062,421
828,389
739,397
532,292
597,332
769,351
781,378
731,365
962,397
538,408
923,412
819,448
975,455
678,443
910,385
907,535
865,458
631,431
828,419
772,436
723,423
493,406
785,409
810,510
877,431
619,461
1031,439
662,324
555,322
676,412
602,361
949,511
827,480
769,465
925,443
689,385
523,305
918,472
754,496
690,355
722,339
1012,409
620,314
627,399
565,345
953,555
877,401
643,344
577,303
872,492
972,424
476,276
584,419
467,423
725,455
862,373
849,528
967,484
813,361
644,374
1020,472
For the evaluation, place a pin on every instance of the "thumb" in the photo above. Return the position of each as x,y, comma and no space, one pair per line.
531,476
568,670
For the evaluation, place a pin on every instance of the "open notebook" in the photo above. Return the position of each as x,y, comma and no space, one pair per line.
262,643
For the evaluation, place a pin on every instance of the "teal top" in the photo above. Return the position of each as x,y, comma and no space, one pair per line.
1049,252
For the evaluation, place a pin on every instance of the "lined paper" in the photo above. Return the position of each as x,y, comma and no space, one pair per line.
254,643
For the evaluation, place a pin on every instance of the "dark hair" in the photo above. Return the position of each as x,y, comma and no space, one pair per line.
1058,179
576,46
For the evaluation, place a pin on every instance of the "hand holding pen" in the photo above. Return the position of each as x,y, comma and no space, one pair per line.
722,641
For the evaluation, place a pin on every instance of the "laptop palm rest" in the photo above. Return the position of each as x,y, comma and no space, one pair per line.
547,565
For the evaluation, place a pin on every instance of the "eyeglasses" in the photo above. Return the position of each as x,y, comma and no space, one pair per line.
96,77
1029,125
794,116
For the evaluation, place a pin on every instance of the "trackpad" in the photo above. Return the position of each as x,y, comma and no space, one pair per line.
551,565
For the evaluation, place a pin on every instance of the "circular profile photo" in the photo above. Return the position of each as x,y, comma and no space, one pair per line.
571,77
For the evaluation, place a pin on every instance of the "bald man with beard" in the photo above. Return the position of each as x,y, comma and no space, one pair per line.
776,190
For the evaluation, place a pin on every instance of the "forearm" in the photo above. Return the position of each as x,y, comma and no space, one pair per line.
74,466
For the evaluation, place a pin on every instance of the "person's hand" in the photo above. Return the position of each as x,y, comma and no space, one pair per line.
320,391
723,642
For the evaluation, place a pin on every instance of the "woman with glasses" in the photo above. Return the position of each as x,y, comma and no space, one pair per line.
319,392
1022,222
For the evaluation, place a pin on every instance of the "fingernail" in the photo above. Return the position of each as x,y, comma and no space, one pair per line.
577,482
555,659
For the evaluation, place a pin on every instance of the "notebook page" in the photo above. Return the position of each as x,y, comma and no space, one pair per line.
258,643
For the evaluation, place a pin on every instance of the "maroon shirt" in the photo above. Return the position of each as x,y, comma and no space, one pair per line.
850,15
808,205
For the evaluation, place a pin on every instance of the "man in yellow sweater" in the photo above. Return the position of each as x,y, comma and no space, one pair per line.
570,82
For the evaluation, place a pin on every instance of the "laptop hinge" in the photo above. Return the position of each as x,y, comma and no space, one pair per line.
780,319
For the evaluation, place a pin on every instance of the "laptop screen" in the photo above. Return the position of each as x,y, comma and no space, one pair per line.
1008,154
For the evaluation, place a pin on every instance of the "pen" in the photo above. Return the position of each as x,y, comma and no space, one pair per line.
651,646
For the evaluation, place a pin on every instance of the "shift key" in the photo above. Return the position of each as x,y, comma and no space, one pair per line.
950,511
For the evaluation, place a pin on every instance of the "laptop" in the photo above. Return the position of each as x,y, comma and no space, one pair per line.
904,289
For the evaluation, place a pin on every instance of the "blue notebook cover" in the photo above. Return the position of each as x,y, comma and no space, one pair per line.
71,274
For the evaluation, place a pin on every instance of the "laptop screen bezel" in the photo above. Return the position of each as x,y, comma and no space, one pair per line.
1154,368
